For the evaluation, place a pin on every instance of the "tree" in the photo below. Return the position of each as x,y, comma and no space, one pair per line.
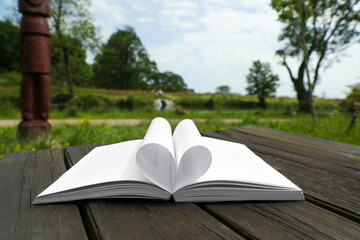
71,19
352,104
261,82
81,71
9,47
123,62
313,31
354,95
168,82
223,89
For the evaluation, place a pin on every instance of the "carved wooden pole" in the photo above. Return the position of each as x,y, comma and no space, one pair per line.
35,54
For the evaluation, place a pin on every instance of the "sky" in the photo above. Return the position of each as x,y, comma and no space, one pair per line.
214,42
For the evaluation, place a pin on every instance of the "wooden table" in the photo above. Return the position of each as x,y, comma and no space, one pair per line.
328,172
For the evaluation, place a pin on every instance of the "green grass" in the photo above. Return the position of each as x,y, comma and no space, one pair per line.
105,104
63,135
116,104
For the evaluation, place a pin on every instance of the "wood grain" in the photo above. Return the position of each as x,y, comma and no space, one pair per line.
338,147
22,177
147,219
285,220
327,183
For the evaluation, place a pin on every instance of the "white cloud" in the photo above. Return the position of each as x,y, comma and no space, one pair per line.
140,5
179,14
108,16
222,49
145,19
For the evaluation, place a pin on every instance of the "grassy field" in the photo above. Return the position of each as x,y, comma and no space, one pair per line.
110,104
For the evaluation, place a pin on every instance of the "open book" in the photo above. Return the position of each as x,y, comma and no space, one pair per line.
185,165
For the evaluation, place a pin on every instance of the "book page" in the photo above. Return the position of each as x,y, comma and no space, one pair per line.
156,157
110,163
234,162
193,158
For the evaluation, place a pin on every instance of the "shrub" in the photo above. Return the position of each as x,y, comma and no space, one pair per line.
132,102
232,103
10,78
12,99
180,111
60,100
87,101
209,104
71,110
192,102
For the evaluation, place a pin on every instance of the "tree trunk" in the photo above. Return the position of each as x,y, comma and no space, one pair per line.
68,74
302,96
312,107
262,103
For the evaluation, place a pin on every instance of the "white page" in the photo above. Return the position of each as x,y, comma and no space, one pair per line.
156,157
115,162
235,162
193,157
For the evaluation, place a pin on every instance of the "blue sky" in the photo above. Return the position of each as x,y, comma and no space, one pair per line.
214,42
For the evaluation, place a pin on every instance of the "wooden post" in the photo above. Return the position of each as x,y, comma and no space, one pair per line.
35,57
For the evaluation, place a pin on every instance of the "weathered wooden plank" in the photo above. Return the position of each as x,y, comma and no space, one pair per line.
285,220
321,184
142,219
344,148
22,177
349,154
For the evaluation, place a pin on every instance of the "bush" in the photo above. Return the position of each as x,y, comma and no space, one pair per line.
132,102
60,100
209,104
71,111
87,101
12,99
192,102
231,103
10,78
180,111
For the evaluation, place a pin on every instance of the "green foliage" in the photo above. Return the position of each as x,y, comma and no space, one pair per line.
231,103
9,47
192,102
73,30
10,100
354,95
81,71
123,62
168,82
180,111
134,102
10,78
224,89
71,110
261,82
73,18
87,101
60,100
312,31
352,100
317,16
